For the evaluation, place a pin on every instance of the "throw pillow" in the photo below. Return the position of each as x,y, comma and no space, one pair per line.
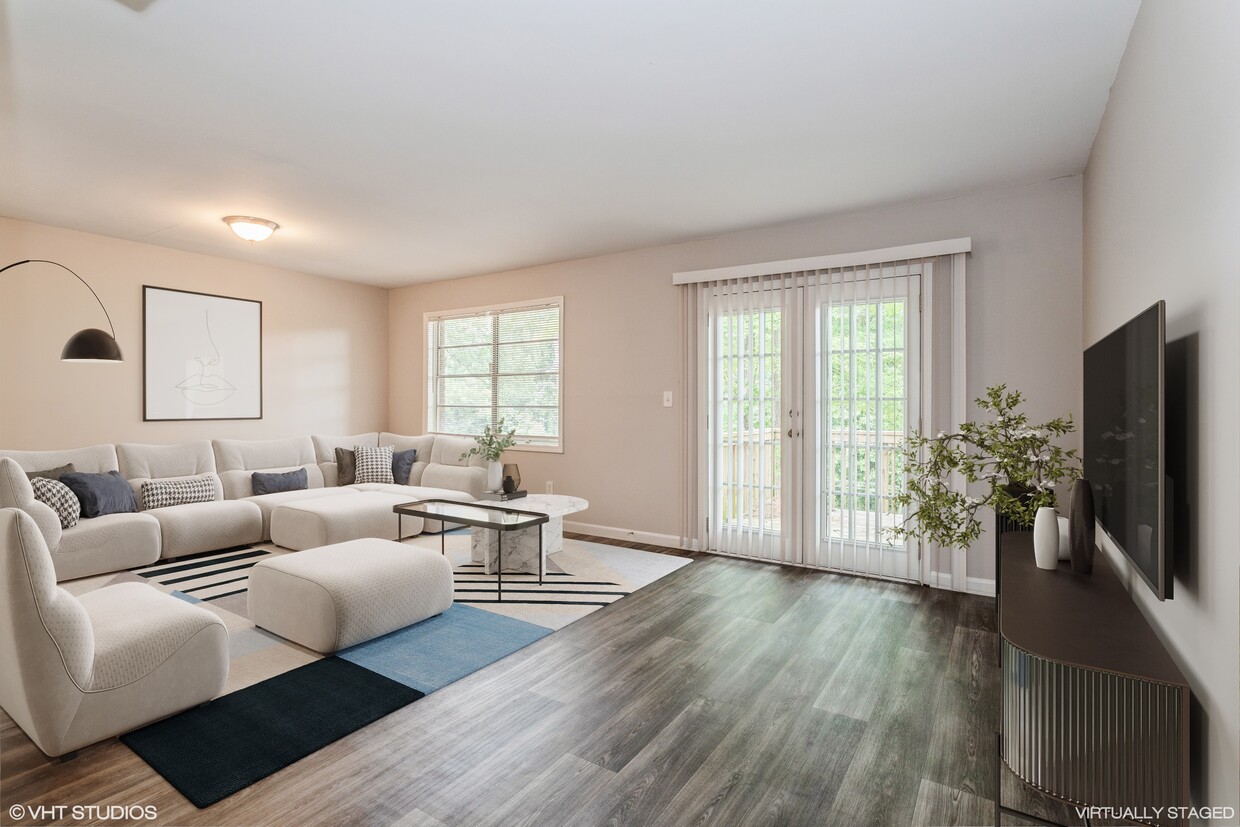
373,464
179,491
59,497
101,493
346,467
52,473
281,481
402,465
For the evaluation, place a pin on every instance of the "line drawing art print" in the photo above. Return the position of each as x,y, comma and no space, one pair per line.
202,356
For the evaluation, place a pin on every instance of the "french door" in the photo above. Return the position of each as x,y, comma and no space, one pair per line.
811,387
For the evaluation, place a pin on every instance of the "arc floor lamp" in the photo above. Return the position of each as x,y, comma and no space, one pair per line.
91,344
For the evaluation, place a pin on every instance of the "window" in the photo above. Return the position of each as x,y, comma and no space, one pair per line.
489,363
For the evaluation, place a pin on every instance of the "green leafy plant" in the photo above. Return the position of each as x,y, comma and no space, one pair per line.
493,442
1019,464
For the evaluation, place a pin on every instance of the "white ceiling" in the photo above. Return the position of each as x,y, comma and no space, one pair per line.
406,140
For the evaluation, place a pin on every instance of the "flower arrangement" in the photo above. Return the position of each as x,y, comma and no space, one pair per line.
493,442
1019,464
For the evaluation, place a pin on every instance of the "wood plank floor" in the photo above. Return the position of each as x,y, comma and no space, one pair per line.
728,693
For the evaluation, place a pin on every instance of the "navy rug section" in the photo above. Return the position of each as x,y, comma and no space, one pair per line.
434,653
208,576
213,751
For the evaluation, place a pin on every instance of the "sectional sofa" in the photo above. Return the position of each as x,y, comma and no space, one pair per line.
234,515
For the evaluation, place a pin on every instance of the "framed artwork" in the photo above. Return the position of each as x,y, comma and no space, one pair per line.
202,356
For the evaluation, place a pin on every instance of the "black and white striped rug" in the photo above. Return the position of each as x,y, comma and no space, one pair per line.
208,576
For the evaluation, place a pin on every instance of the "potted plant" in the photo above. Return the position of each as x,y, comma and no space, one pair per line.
1017,464
492,444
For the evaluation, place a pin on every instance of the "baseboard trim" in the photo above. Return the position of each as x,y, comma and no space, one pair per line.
981,586
613,533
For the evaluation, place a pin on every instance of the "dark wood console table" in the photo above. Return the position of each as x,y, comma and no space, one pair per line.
1094,711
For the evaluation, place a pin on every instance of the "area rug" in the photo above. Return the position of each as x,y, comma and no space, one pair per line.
211,752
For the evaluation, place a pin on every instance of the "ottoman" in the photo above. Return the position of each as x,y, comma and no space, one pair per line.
307,524
337,596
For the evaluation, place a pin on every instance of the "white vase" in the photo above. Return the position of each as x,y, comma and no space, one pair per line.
495,475
1065,544
1046,538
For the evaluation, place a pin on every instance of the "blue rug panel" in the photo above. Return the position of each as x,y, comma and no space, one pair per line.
432,654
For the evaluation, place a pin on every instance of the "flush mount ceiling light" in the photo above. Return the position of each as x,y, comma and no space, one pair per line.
251,229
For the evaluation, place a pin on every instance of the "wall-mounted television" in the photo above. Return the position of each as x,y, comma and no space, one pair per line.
1125,445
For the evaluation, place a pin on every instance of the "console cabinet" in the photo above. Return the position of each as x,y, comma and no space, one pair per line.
1093,709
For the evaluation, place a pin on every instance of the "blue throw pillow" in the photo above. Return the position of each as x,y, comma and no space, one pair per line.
101,494
402,465
274,483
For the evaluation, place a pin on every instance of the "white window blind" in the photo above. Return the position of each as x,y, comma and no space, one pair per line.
485,364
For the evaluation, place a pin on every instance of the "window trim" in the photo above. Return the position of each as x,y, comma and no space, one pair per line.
464,312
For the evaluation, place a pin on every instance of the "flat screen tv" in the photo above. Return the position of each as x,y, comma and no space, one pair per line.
1124,443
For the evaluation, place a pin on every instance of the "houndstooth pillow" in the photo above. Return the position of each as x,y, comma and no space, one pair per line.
164,493
373,464
60,497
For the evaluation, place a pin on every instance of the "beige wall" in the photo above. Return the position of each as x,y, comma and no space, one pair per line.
622,341
325,343
1162,219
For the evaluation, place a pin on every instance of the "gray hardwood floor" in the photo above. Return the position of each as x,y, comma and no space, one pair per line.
728,693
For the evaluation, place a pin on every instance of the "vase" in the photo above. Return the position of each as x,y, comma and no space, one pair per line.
1081,530
495,475
1065,539
512,477
1046,538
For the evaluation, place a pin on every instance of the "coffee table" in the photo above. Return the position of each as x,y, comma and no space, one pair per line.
480,517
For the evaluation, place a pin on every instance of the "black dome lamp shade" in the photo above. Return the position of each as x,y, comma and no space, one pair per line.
91,344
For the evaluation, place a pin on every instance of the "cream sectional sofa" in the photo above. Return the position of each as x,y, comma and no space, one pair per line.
235,516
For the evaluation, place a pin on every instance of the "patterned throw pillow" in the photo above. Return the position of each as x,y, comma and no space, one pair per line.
373,464
165,493
60,497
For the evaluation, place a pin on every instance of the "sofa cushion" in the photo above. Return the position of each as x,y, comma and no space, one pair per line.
327,520
346,466
279,482
178,491
373,464
109,543
402,464
422,444
267,502
325,446
195,527
93,459
59,497
53,473
262,454
100,494
181,459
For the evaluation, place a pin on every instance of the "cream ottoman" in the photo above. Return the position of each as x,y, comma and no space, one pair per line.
326,521
336,596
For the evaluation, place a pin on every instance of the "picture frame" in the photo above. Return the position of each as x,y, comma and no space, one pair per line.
202,356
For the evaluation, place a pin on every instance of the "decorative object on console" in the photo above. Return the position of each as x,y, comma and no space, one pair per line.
346,467
202,356
107,493
512,477
1018,464
90,344
1082,528
1065,539
251,229
277,482
373,464
178,491
402,465
503,496
59,497
1046,538
492,444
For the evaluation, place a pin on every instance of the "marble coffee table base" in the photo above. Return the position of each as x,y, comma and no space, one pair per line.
520,547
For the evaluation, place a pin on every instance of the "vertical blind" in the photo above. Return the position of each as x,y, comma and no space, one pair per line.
801,387
488,364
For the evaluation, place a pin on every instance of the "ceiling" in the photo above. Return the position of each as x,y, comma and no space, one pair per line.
398,141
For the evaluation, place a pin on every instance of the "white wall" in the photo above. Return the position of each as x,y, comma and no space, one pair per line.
324,343
1162,221
622,340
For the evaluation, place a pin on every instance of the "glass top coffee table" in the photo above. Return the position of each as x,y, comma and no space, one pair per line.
479,517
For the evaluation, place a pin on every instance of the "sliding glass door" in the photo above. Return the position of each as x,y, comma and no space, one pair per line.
812,387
